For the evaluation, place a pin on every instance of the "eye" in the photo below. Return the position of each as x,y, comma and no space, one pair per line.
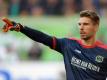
79,24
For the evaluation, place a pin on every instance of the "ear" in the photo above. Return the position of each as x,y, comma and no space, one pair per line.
96,27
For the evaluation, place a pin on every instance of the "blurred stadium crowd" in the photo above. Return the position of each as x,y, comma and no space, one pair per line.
50,7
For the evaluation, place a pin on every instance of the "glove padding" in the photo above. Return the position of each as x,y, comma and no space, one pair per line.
11,25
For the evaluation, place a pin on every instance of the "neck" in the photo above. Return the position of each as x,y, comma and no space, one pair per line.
89,42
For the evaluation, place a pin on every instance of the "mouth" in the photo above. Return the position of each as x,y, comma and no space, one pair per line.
82,32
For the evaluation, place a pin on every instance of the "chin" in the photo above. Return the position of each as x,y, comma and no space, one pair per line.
85,38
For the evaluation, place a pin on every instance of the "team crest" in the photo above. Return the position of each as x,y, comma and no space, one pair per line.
99,58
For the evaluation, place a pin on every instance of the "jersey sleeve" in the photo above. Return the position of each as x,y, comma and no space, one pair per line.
37,36
57,44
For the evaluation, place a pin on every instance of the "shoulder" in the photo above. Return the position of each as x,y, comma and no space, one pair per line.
98,44
75,39
68,40
101,45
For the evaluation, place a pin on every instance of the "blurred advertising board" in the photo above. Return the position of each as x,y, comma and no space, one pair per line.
32,71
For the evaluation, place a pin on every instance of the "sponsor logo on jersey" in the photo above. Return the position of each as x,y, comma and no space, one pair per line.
84,65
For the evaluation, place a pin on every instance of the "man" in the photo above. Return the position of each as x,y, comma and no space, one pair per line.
85,59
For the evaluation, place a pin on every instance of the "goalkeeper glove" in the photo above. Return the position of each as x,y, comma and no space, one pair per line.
11,25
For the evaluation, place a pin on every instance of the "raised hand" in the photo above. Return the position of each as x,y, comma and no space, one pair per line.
11,25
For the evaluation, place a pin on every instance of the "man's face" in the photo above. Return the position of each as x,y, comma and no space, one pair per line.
87,28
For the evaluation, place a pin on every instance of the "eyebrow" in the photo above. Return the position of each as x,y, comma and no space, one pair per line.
83,23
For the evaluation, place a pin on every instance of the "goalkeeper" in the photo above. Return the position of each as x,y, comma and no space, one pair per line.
84,58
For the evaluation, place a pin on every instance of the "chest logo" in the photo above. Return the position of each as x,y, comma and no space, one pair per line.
99,58
78,51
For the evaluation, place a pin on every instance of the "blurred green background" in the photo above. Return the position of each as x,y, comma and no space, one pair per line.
52,25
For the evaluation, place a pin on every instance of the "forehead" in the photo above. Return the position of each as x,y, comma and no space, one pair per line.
84,20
